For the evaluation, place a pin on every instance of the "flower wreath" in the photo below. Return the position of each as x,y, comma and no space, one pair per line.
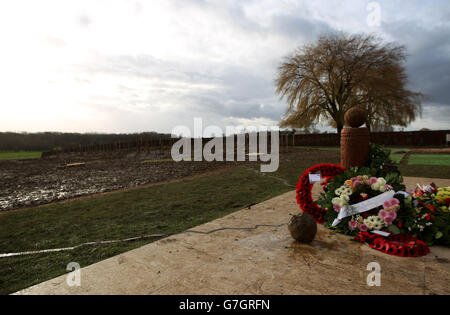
304,186
398,215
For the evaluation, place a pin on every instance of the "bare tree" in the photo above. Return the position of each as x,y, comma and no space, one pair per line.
321,81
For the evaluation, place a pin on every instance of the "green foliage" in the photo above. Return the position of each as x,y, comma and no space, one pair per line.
378,155
379,160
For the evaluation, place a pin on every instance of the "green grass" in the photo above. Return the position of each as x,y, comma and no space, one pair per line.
432,171
10,155
338,148
167,208
396,157
429,159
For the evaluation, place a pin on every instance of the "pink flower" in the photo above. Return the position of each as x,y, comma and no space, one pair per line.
388,187
353,224
387,216
391,203
356,183
373,180
383,214
359,177
337,208
363,228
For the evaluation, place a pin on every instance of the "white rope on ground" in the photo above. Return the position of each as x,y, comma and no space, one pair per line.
135,239
285,182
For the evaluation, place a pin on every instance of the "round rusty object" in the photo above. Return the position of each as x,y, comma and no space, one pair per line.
354,146
355,117
303,227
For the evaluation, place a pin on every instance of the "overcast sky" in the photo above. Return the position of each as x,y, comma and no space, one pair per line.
133,66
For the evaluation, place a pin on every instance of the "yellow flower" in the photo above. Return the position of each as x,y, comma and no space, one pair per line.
442,194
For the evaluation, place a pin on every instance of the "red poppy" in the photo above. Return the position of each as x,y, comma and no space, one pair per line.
304,197
398,245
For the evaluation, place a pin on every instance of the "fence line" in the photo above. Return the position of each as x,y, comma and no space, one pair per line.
397,138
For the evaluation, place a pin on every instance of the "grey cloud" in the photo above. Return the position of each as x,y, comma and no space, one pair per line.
435,116
428,62
238,93
223,107
230,11
298,27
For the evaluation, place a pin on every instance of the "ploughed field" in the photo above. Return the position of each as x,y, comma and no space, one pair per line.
30,182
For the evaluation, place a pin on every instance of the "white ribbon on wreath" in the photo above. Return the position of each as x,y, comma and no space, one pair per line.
365,205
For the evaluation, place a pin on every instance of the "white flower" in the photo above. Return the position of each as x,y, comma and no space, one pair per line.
344,189
379,185
342,202
368,224
339,201
335,200
374,222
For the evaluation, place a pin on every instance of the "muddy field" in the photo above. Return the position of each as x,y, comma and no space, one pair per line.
31,182
38,181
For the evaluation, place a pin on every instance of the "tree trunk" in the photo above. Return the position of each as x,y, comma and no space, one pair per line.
339,128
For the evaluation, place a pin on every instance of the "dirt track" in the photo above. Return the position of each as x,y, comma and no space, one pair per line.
431,151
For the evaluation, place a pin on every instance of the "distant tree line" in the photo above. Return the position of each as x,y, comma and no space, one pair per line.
42,141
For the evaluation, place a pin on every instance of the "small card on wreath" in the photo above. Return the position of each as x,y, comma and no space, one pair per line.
314,178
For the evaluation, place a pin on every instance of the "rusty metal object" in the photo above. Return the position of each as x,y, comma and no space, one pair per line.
354,146
354,140
355,117
303,228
